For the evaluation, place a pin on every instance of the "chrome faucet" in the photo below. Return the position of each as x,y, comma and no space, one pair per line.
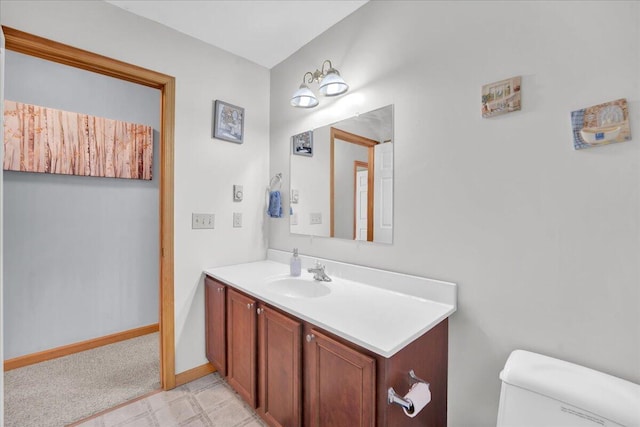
319,273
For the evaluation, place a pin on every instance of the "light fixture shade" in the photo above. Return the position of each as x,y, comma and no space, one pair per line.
332,84
304,98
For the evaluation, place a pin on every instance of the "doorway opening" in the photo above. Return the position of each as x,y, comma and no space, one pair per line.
29,44
339,138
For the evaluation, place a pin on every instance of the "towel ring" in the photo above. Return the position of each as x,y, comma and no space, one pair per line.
276,180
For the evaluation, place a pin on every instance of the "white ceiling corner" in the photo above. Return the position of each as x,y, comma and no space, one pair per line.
263,31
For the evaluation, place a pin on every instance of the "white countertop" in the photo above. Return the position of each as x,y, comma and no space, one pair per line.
379,310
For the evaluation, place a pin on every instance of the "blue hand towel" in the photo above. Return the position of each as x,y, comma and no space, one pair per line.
275,205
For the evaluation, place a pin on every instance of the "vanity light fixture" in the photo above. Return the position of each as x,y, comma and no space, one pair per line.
331,84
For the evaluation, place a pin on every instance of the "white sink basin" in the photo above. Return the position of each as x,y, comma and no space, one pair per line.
298,288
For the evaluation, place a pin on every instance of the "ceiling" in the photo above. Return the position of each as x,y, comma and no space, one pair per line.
263,31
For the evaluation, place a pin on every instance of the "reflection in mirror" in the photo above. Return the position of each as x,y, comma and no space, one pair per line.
344,188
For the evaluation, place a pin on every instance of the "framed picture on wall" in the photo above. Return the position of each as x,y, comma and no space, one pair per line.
302,144
501,97
228,122
601,124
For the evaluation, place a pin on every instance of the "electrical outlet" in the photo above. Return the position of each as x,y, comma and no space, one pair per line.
315,218
199,221
237,219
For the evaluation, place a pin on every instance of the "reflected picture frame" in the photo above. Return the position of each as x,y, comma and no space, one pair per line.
302,144
228,122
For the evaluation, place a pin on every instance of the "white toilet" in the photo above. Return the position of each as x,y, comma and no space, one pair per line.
539,391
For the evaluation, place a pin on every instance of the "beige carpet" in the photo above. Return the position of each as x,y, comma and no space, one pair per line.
59,392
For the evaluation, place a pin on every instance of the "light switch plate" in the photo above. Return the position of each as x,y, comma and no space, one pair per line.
238,194
199,220
294,196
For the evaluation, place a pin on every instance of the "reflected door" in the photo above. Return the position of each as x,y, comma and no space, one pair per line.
361,200
383,187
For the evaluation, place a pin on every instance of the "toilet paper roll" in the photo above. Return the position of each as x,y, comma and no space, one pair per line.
420,396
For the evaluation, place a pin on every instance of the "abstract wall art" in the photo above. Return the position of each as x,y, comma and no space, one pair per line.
47,140
601,124
501,97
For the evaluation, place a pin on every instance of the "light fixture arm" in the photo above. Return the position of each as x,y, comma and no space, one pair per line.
331,84
324,73
311,77
318,75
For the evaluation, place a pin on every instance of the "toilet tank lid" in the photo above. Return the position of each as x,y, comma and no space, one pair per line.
610,397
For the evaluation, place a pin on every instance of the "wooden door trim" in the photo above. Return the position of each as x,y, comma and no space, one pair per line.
29,44
358,140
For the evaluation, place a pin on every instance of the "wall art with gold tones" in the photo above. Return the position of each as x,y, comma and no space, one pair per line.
501,97
47,140
601,124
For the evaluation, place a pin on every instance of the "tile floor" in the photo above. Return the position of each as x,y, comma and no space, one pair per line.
207,401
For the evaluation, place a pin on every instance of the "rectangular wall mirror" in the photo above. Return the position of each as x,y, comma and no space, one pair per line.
342,185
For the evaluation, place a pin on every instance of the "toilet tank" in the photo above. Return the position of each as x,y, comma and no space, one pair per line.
542,391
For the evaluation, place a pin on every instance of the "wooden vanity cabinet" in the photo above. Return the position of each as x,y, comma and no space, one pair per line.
340,383
264,359
341,389
242,345
215,324
296,374
279,368
427,355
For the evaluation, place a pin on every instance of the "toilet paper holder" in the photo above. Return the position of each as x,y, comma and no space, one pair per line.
407,404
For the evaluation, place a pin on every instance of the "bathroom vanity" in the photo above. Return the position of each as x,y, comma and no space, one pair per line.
303,352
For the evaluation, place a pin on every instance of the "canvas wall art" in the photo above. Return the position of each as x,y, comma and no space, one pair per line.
501,97
47,140
601,124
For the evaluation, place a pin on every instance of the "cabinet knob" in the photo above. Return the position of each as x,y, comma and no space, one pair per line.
259,310
249,305
220,289
310,337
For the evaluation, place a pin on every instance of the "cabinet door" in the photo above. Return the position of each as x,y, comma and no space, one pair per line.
280,368
341,383
215,326
241,345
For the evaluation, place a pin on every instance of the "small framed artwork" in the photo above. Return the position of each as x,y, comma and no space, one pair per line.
302,144
501,97
228,122
601,124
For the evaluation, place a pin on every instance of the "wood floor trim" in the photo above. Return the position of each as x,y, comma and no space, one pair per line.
194,374
54,353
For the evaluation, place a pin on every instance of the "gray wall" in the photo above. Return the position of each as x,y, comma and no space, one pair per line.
543,241
80,253
205,169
